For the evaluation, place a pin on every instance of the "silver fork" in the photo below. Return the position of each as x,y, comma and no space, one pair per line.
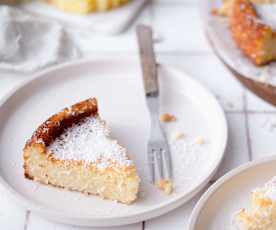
159,157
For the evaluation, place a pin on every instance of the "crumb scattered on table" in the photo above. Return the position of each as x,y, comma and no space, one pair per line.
166,117
165,185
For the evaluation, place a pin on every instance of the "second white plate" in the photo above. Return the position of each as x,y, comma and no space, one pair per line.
118,86
231,193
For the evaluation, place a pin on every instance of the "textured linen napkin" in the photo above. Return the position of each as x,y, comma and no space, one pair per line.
28,43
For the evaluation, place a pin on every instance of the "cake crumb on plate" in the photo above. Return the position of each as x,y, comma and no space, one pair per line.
178,135
199,140
166,117
165,185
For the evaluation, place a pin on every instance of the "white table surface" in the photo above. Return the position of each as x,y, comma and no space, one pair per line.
177,25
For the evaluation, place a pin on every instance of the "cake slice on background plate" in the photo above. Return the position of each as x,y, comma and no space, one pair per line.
252,34
73,150
253,28
262,213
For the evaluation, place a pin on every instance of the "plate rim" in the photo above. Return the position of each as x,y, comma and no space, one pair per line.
83,220
223,180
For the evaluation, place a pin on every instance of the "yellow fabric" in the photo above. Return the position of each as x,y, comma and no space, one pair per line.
86,6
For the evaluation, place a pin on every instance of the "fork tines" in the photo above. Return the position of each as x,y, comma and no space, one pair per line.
159,164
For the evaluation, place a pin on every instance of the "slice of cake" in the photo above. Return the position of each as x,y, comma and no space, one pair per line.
262,214
86,6
252,34
73,150
253,31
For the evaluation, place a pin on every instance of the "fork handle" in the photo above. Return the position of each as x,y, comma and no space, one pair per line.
148,60
8,2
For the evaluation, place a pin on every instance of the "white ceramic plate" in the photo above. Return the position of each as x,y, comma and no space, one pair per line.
111,22
228,195
118,86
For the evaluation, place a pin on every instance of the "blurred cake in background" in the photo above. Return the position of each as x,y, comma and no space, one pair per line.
262,214
253,27
86,6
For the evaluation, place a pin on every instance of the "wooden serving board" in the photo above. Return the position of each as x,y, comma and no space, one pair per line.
264,90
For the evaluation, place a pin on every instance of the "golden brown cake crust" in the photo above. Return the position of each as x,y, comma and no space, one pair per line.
55,125
251,35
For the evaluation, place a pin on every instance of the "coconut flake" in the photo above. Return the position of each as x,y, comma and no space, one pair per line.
89,141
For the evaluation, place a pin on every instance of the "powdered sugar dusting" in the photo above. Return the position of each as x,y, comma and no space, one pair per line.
89,141
186,153
269,190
